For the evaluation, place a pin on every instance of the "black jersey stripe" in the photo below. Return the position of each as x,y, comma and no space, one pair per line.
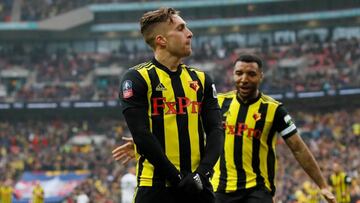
271,160
238,147
223,174
157,121
183,124
259,126
199,95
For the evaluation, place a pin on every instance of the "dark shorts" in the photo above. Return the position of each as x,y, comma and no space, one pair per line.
171,195
255,195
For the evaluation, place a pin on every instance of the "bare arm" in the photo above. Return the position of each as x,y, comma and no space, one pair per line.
308,163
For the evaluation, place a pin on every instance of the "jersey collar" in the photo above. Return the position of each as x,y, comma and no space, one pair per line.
164,68
250,101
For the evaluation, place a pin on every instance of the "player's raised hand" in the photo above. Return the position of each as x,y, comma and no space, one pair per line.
124,152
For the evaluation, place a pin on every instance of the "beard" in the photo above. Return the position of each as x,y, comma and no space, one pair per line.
247,93
181,52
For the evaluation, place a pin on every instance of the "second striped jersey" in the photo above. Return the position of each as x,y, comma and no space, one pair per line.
248,158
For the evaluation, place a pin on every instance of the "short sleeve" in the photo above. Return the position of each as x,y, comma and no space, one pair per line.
283,123
210,95
133,90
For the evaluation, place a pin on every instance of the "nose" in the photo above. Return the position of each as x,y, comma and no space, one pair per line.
190,34
243,78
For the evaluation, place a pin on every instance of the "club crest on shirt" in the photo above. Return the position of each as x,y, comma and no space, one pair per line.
127,89
194,85
257,116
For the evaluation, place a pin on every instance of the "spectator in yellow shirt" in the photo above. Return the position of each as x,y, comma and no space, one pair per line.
38,193
340,183
6,192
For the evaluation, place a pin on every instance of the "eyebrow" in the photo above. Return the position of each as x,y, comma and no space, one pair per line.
181,25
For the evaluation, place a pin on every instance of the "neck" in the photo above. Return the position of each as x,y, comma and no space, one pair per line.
170,61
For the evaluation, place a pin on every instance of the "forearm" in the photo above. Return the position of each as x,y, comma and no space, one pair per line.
307,161
148,146
310,166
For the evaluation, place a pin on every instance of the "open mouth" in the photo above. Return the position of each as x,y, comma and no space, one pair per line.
245,90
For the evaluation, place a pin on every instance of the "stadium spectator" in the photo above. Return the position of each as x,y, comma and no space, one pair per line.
128,184
6,191
340,183
38,193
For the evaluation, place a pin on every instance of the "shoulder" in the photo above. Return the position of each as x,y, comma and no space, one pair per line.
227,95
145,65
192,68
137,71
267,99
197,71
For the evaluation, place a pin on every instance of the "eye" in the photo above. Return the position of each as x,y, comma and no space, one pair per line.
180,27
252,74
238,73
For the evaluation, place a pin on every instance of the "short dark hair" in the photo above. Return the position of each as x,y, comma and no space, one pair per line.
250,58
151,18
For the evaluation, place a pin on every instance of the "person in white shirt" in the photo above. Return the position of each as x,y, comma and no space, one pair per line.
128,184
82,198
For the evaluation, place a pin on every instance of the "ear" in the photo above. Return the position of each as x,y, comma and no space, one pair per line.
261,75
160,40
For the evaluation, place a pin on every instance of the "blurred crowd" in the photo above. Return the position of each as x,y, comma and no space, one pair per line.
67,75
43,145
37,10
302,66
46,146
333,138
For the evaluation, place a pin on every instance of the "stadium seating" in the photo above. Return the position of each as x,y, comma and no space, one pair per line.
299,67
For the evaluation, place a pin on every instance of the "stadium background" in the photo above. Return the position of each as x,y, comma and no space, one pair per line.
60,63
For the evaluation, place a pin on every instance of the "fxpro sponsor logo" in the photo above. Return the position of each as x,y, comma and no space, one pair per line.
241,129
180,106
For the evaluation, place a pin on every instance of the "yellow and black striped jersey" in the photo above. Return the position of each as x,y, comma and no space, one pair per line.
38,194
6,194
248,159
340,183
174,102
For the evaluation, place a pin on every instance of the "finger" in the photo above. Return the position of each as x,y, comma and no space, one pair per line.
330,198
127,139
118,149
126,160
120,156
122,147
